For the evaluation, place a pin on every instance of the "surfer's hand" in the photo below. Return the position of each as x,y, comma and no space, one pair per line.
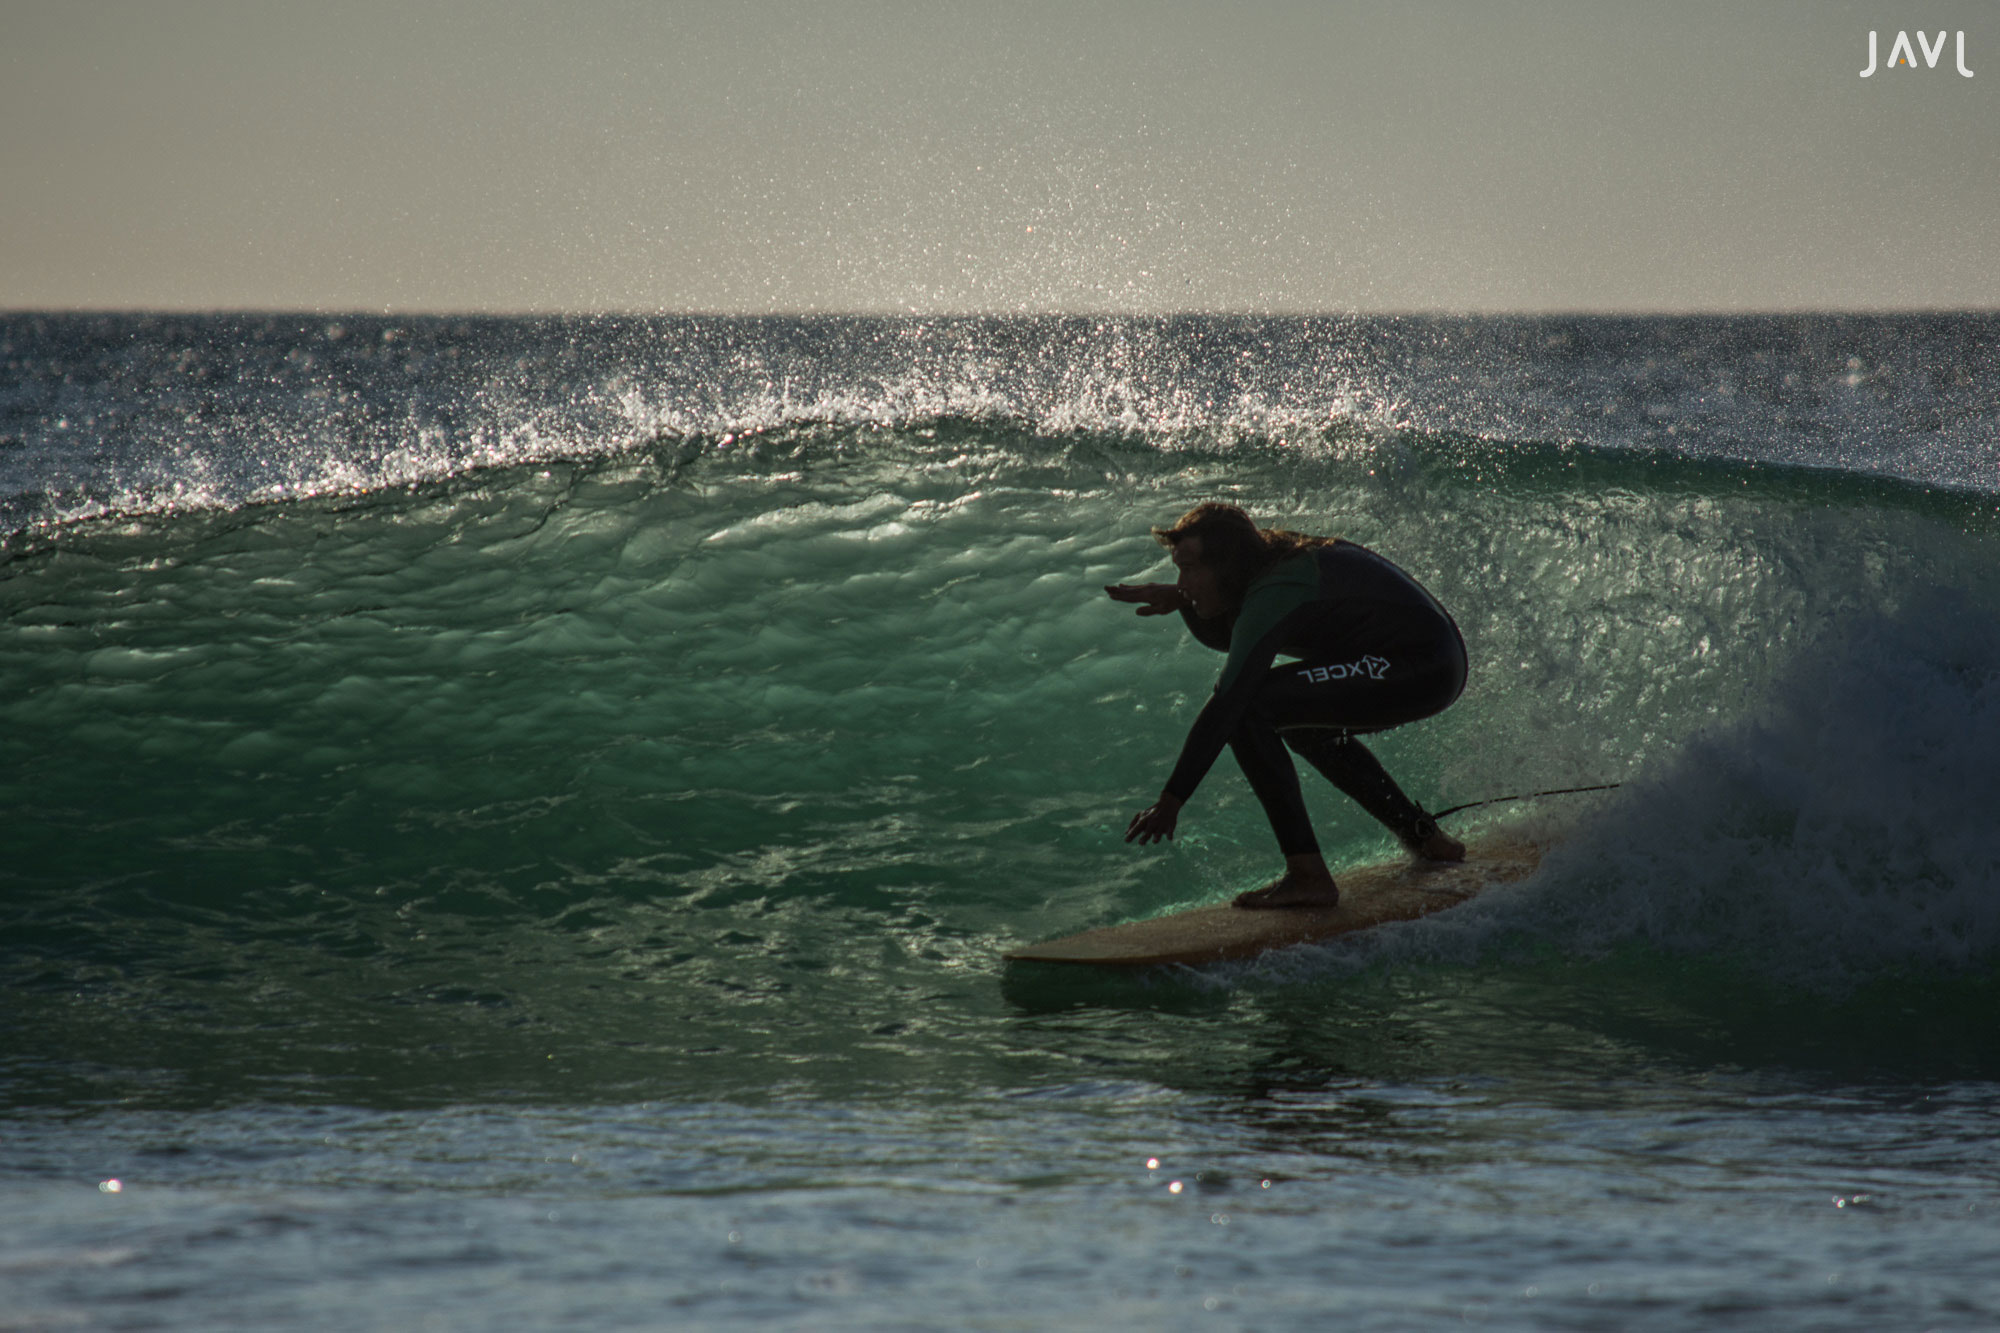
1155,599
1155,822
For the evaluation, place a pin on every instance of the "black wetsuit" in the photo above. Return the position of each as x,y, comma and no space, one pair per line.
1374,651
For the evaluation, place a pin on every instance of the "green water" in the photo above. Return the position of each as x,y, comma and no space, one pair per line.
729,766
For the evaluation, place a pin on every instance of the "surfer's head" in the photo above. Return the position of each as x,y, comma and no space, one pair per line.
1217,550
1198,581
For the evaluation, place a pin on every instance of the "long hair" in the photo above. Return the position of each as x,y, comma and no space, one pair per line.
1234,546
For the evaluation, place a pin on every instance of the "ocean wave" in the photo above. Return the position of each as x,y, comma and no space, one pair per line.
771,729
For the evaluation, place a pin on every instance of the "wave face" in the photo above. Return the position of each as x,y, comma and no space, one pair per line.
526,706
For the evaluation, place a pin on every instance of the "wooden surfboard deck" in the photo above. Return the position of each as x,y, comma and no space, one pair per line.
1369,896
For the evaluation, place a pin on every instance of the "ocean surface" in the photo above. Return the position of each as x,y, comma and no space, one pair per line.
513,823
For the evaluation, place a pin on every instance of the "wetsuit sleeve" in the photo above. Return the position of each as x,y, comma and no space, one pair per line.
1254,644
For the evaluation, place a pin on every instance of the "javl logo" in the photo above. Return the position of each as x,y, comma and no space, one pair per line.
1903,56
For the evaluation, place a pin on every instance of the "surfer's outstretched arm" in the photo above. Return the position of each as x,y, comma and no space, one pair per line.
1160,599
1154,599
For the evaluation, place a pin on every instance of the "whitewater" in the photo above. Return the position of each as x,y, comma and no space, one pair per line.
513,822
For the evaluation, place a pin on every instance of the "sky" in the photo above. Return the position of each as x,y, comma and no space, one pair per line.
757,157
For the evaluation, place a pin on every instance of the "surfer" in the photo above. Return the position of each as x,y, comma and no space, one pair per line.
1373,649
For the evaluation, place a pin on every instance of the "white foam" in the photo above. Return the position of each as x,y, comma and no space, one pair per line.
1841,834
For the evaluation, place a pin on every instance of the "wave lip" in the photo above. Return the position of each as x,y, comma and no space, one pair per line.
105,415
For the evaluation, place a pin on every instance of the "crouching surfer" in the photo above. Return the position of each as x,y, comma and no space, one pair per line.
1373,649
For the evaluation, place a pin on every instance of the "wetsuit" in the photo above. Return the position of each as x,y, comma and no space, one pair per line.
1374,651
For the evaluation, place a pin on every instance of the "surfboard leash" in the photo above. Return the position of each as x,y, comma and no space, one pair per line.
1525,796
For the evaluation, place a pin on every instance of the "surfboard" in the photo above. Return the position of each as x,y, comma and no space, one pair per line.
1370,896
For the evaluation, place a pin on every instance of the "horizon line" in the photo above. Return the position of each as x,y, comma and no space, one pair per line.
1301,312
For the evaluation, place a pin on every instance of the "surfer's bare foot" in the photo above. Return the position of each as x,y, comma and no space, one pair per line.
1292,890
1439,846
